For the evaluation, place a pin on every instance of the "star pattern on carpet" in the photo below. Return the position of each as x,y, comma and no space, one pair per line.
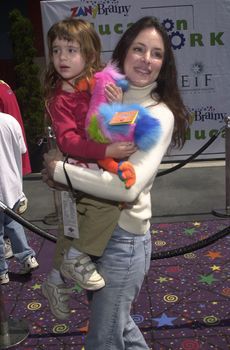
197,224
36,286
214,255
77,288
164,320
179,296
162,279
190,231
209,279
215,268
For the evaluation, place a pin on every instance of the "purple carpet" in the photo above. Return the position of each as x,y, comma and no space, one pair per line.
183,305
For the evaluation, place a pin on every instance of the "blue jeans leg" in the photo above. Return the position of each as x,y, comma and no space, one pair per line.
17,236
123,265
3,263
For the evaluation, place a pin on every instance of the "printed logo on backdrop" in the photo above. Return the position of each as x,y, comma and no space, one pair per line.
197,80
196,76
202,115
186,40
97,8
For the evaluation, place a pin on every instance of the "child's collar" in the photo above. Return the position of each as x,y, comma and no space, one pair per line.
83,85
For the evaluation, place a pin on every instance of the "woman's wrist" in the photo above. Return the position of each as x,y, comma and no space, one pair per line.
57,170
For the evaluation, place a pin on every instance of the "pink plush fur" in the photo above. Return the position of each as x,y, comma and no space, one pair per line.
108,75
144,132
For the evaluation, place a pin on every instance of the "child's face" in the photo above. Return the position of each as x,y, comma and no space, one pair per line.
67,59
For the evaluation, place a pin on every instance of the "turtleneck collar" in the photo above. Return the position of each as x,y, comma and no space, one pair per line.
140,95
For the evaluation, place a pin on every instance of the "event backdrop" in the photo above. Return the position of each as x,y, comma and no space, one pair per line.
199,33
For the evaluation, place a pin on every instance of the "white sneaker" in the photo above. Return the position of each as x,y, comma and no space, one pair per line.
58,298
4,278
82,270
29,265
23,204
8,249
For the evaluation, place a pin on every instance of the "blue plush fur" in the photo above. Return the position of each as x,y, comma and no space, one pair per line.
147,128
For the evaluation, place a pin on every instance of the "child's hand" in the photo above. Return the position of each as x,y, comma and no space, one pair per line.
120,150
127,173
113,93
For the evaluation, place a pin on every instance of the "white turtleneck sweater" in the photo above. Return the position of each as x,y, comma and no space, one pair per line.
102,184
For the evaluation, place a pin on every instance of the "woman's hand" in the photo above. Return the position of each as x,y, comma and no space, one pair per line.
120,150
113,93
50,160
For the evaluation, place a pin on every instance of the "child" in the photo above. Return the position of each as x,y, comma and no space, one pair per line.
12,146
74,50
9,105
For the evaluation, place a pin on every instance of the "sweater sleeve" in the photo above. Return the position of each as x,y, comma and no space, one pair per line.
105,185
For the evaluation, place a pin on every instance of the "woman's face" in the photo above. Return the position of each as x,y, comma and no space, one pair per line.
144,58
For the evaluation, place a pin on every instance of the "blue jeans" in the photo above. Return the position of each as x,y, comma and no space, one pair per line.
124,264
16,234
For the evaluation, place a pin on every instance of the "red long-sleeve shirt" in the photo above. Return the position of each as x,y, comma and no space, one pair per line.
9,105
67,111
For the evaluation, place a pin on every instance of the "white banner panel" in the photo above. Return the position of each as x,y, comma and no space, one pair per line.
199,33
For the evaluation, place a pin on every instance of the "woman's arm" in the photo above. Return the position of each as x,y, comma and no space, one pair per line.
105,185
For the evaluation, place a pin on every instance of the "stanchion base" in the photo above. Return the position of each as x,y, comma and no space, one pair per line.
17,331
222,213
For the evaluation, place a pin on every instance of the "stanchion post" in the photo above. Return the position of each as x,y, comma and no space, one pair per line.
12,332
224,213
52,218
228,165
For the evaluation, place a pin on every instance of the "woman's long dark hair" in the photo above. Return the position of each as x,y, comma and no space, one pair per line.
167,87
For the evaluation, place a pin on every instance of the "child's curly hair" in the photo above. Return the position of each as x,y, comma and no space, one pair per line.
72,29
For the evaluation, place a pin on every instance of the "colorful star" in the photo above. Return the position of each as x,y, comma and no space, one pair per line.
36,286
84,329
164,320
77,288
215,268
209,279
197,224
174,269
190,231
162,279
214,255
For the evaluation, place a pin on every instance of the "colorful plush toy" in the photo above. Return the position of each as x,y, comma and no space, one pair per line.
108,123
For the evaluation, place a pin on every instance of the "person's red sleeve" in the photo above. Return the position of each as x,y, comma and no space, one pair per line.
9,105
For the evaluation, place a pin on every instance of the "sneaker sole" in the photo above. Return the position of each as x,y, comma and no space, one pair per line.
29,271
60,316
8,256
67,275
5,282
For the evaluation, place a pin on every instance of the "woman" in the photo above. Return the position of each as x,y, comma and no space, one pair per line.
145,56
